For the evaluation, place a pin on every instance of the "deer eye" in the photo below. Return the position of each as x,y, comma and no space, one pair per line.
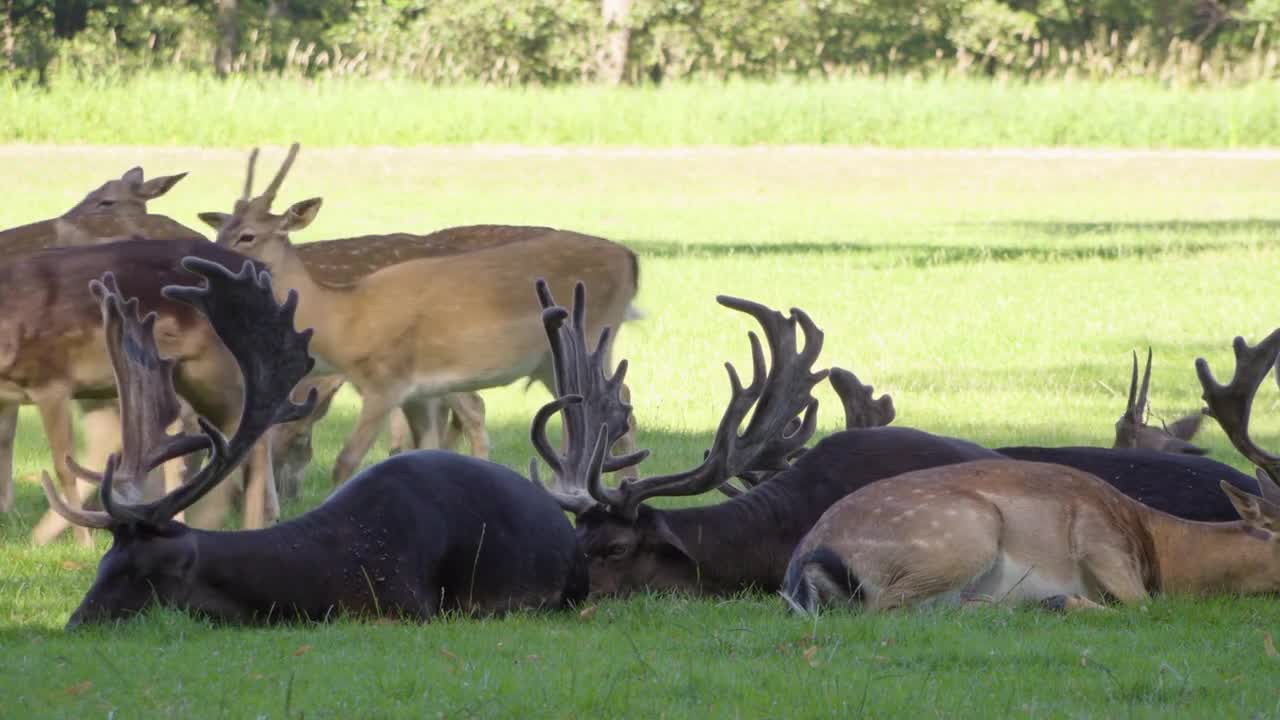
245,238
106,203
616,550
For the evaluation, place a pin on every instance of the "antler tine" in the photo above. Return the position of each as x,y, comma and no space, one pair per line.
272,357
76,516
1133,388
270,193
861,408
1232,404
778,395
248,178
1140,410
586,399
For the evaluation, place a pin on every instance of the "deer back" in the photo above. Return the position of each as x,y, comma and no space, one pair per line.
343,261
1186,486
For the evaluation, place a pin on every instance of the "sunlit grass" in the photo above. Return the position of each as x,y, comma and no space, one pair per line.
997,299
164,108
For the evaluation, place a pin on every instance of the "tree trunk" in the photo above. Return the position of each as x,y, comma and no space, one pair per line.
277,10
7,36
617,40
228,37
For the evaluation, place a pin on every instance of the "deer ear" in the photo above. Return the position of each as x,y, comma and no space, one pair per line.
155,187
132,176
1186,427
662,531
300,214
214,220
1256,512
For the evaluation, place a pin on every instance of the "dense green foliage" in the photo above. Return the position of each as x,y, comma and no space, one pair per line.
996,296
200,110
553,41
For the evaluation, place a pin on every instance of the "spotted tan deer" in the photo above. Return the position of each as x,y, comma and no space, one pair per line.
1132,430
1017,531
115,209
52,340
430,326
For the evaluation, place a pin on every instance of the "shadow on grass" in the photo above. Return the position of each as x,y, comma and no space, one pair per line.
1071,229
922,254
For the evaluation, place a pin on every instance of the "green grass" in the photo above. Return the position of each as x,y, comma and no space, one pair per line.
996,296
167,109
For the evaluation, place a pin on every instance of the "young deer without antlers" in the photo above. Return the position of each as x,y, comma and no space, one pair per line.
51,347
1016,531
116,208
427,327
1132,430
410,537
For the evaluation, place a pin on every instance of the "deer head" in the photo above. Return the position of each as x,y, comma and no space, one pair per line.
127,195
1132,430
152,555
628,543
251,228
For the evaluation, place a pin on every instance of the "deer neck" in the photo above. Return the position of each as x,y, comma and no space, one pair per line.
1210,558
745,542
275,573
319,306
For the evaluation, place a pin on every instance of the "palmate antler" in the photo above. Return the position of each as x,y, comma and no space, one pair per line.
272,357
862,409
1231,405
778,395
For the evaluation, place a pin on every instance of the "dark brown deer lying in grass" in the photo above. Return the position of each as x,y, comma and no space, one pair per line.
417,534
114,209
51,348
1132,430
427,327
1015,531
739,544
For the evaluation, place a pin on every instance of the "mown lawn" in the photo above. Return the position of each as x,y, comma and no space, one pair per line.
996,296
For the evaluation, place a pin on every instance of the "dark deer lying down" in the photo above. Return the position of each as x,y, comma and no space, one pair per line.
1016,531
409,537
738,544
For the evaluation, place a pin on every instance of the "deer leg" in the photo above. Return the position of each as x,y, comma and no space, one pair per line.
468,418
627,443
8,433
400,432
1067,603
54,404
373,414
422,415
100,421
259,483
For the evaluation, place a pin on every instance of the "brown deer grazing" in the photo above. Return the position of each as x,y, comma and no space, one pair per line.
427,327
1132,430
1016,531
420,533
116,208
51,344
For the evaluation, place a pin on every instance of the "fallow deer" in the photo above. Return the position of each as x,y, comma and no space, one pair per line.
51,344
418,534
1017,531
735,545
1132,430
114,209
426,327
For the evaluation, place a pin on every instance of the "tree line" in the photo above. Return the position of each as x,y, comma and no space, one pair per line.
635,41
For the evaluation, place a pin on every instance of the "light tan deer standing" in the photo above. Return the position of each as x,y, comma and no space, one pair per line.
1009,530
427,327
1132,430
341,263
116,208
